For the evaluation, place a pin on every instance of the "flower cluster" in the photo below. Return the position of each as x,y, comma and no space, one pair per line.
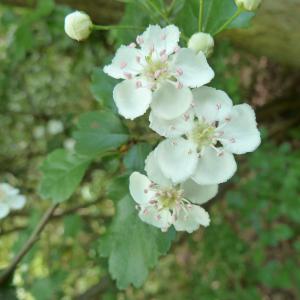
201,126
10,199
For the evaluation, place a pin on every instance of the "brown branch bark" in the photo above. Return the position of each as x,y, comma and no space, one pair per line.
94,292
6,275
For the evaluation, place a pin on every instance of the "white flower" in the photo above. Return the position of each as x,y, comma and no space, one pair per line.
78,25
163,204
201,41
206,152
69,144
39,131
55,127
157,74
248,4
9,199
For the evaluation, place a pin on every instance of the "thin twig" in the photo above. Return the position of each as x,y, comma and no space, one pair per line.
229,21
5,276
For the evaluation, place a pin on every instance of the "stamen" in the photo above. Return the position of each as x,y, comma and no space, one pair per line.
132,45
163,52
186,117
179,71
138,84
163,37
139,40
179,85
123,64
128,75
176,49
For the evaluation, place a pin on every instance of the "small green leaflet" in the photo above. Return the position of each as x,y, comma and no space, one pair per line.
99,132
62,173
132,247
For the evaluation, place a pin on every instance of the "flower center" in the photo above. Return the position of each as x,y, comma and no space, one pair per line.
156,69
203,135
170,197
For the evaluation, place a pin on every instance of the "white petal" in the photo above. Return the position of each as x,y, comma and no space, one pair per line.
177,159
240,133
191,219
139,188
4,210
153,171
197,193
211,104
131,101
158,218
124,63
170,102
8,190
17,202
158,40
213,168
172,128
193,68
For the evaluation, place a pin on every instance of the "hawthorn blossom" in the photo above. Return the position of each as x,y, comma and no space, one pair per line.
158,74
10,199
203,148
163,204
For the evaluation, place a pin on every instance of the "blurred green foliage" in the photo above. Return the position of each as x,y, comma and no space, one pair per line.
250,251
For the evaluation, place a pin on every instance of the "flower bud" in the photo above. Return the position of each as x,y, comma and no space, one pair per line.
248,4
78,25
201,41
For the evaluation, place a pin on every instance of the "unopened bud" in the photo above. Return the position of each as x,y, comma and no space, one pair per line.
248,4
78,25
201,41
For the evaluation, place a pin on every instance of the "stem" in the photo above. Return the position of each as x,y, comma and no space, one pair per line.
200,19
110,27
229,21
5,276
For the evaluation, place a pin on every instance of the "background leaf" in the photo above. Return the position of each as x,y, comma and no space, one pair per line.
62,173
216,13
102,88
99,132
134,160
133,247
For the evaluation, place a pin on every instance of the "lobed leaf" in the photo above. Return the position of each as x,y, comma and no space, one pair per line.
62,173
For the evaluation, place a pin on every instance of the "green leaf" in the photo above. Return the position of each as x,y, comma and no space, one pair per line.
62,173
134,159
102,89
132,246
118,187
99,132
216,13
